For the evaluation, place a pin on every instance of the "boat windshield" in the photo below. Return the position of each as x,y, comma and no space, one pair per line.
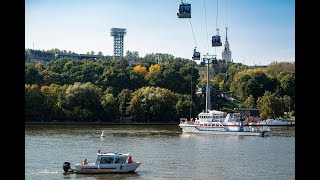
120,159
106,160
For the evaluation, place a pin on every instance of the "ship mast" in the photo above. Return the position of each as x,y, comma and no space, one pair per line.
208,88
208,59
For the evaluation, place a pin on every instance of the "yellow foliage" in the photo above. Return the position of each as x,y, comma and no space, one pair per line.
154,70
44,88
250,72
140,70
39,65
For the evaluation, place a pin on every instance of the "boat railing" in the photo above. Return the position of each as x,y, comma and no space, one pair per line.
256,129
186,121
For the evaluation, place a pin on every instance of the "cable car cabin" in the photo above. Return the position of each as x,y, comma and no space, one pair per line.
216,41
184,10
202,63
214,62
196,55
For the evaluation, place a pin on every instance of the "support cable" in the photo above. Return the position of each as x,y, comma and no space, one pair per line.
195,42
205,16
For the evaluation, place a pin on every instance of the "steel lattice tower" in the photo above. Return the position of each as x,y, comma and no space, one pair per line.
118,34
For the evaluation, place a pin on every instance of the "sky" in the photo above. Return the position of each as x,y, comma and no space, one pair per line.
259,31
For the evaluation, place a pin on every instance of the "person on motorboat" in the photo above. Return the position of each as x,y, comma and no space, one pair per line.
85,162
130,159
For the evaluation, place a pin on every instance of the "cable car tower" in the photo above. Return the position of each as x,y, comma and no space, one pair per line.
118,34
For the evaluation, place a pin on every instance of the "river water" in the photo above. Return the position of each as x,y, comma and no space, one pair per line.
164,151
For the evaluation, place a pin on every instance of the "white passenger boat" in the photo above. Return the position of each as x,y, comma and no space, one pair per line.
205,123
105,163
212,121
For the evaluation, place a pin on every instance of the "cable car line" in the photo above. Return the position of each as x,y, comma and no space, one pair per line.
185,12
195,42
205,16
217,15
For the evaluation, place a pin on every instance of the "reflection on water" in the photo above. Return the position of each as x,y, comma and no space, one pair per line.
164,151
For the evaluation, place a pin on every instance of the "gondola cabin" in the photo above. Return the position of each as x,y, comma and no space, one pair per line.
196,55
216,41
215,62
184,10
202,64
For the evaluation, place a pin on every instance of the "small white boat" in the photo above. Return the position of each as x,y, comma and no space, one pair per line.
105,163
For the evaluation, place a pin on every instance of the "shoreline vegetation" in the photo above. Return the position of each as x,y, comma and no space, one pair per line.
108,89
101,123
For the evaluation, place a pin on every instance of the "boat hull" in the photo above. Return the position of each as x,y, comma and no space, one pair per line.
106,168
222,131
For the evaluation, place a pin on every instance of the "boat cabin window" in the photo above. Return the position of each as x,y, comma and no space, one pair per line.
119,160
106,160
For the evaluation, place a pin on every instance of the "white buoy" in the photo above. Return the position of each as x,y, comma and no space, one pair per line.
102,134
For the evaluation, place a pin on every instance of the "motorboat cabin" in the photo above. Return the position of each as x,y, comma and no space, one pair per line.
216,41
184,10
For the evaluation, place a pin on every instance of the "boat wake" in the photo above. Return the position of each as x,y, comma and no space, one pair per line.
47,172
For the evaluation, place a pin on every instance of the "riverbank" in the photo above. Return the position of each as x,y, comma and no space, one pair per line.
104,123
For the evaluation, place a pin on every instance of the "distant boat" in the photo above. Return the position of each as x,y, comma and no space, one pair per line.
102,134
272,122
278,122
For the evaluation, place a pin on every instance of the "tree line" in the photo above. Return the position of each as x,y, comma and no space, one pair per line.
109,90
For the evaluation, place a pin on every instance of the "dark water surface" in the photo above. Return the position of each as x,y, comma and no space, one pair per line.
164,151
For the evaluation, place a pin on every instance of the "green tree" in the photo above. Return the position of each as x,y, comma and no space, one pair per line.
52,110
287,83
100,53
81,101
32,75
34,103
287,102
276,68
132,56
110,106
249,102
124,98
184,106
270,105
156,104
